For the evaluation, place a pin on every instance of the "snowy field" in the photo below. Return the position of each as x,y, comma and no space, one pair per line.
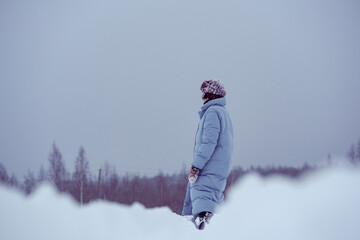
322,206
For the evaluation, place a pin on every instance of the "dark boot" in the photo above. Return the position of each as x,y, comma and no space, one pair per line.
202,219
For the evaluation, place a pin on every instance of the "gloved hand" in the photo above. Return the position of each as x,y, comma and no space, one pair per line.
193,175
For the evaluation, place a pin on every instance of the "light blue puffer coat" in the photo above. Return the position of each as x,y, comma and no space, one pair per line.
212,155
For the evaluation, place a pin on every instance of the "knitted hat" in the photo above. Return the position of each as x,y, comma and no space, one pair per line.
213,87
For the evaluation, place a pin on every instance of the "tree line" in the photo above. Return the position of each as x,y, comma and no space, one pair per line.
107,184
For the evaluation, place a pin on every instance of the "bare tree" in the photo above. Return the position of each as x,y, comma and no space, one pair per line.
80,175
99,188
108,183
57,171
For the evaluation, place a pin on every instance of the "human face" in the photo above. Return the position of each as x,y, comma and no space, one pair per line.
204,98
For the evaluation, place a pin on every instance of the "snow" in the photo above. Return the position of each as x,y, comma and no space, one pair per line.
323,205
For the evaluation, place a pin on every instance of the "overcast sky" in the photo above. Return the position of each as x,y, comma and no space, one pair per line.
122,79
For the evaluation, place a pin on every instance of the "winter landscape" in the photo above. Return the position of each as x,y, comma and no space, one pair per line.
99,106
321,205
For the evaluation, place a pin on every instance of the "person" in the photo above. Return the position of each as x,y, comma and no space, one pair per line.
213,149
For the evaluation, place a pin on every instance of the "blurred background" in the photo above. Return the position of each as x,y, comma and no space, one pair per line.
122,80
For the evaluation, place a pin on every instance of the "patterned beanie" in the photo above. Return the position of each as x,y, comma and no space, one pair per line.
213,87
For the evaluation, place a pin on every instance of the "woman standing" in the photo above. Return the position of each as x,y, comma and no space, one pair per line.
212,155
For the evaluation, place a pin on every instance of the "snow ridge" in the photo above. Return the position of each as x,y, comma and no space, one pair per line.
322,205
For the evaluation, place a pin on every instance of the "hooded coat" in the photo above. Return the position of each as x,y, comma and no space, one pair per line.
212,155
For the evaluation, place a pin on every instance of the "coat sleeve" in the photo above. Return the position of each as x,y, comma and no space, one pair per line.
209,139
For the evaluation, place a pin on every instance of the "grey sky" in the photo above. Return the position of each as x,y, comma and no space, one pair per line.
122,79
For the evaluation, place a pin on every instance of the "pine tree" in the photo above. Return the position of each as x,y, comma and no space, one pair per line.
42,175
4,177
29,182
57,171
353,155
358,153
13,181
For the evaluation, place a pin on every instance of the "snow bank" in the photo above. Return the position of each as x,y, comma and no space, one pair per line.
324,205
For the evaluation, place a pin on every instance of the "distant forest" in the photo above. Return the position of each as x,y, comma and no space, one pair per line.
161,190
